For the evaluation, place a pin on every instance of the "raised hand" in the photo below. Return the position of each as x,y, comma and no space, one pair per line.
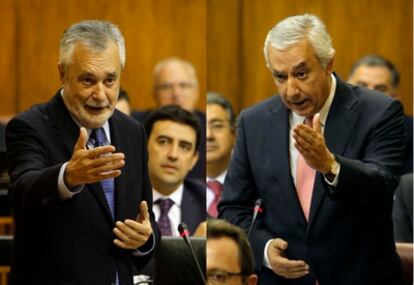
309,141
92,165
133,234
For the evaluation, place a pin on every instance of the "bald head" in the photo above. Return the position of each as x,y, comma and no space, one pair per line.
175,82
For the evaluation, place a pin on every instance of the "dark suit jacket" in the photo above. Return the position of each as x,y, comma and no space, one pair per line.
193,204
348,239
199,170
408,157
71,241
402,212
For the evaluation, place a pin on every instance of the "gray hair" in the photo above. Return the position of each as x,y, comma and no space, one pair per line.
376,60
175,60
94,34
297,28
216,98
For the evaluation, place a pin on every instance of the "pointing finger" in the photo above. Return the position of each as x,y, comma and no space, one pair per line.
317,123
143,212
82,139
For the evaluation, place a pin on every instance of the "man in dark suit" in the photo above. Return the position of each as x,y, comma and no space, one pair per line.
173,140
176,83
327,184
80,189
377,73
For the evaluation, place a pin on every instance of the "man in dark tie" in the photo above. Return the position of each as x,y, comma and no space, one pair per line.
221,133
324,157
80,189
173,139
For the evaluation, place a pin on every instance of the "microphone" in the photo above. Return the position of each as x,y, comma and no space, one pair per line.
257,209
185,234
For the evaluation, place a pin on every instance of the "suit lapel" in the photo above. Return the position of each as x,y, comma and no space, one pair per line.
64,127
187,209
120,181
278,146
67,131
343,115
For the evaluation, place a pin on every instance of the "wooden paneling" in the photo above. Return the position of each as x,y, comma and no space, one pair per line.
224,48
153,30
357,28
7,58
224,40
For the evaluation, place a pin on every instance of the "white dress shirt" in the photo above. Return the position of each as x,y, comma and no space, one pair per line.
175,211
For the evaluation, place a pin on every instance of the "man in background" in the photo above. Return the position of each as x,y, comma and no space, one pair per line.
173,139
377,73
123,104
221,133
175,82
79,185
229,257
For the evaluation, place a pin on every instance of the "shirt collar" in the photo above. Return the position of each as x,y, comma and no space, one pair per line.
220,178
176,196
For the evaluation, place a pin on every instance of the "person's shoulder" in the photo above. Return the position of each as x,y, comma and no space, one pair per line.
140,116
195,186
272,103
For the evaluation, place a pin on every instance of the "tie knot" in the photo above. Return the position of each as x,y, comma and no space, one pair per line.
216,186
165,204
98,137
308,121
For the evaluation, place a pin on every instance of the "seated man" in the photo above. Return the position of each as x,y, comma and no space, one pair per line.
229,257
221,134
176,83
173,139
377,73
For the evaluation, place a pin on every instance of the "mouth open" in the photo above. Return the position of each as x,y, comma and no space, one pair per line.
95,109
300,104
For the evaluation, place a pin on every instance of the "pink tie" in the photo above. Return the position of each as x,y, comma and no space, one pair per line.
217,188
305,178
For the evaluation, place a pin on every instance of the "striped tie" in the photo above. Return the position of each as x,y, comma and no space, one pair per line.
98,138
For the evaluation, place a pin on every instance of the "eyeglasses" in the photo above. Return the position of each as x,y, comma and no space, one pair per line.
219,277
217,127
170,86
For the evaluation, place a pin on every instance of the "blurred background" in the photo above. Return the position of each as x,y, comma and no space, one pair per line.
222,38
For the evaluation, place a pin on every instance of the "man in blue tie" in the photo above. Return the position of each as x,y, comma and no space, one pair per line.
80,189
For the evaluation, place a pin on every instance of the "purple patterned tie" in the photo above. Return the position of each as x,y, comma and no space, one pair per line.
98,138
164,221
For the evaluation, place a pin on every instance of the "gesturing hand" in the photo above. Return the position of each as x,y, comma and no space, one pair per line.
133,234
281,265
311,144
92,165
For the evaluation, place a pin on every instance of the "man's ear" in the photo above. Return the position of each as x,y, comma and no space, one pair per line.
329,67
61,69
252,279
194,159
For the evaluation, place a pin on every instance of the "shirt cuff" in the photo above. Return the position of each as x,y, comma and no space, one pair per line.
64,192
334,183
266,261
137,252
